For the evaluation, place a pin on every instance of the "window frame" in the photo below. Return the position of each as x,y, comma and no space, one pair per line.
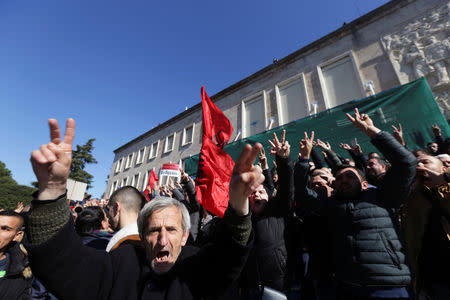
129,161
249,99
302,81
118,166
173,143
331,61
152,155
126,181
183,140
133,182
139,157
113,187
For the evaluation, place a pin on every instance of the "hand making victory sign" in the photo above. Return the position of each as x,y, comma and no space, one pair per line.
280,148
51,163
364,123
245,179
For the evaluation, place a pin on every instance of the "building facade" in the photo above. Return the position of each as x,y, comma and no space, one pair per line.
392,45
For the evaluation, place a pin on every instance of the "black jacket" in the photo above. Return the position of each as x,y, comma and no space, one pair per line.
194,208
268,261
366,247
73,271
14,285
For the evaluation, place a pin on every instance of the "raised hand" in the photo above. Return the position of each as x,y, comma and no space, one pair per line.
156,186
324,146
345,146
184,176
178,185
306,145
245,179
263,159
51,163
357,149
436,130
363,122
280,148
398,134
170,184
19,207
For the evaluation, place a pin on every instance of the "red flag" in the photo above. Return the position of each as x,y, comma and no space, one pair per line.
151,181
215,165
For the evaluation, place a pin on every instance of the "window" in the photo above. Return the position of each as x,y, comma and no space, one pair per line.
254,114
170,141
145,182
292,102
188,135
182,163
124,182
113,188
140,156
119,165
154,150
129,160
135,180
340,80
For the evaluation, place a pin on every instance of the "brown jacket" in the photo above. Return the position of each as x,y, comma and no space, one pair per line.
415,215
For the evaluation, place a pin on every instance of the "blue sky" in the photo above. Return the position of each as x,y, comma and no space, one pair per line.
121,67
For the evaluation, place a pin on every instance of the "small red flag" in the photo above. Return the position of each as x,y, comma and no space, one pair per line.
215,166
151,181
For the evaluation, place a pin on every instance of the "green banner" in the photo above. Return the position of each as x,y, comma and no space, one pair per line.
413,105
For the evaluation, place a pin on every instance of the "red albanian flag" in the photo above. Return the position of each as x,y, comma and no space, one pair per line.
151,181
215,166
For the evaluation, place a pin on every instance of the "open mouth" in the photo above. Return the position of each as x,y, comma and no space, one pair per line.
162,256
258,202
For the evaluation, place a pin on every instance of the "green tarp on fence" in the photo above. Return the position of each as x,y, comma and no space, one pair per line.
413,105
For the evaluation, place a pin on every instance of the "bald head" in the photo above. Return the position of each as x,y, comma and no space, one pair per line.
129,197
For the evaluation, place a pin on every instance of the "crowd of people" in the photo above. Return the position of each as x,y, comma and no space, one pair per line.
367,226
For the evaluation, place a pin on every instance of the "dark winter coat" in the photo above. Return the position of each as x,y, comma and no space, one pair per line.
14,285
73,271
366,245
268,261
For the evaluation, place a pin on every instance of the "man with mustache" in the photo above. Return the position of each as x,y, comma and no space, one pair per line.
164,268
426,228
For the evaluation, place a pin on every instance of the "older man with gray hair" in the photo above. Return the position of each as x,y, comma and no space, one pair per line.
163,268
159,227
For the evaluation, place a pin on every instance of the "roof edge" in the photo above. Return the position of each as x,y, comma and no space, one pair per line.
346,29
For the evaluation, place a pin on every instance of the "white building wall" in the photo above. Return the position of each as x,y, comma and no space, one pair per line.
375,48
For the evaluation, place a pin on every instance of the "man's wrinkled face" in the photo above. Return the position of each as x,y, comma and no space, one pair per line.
164,238
374,168
429,162
9,231
259,199
433,148
348,184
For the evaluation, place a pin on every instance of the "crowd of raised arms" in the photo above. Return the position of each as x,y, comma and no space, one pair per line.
367,226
